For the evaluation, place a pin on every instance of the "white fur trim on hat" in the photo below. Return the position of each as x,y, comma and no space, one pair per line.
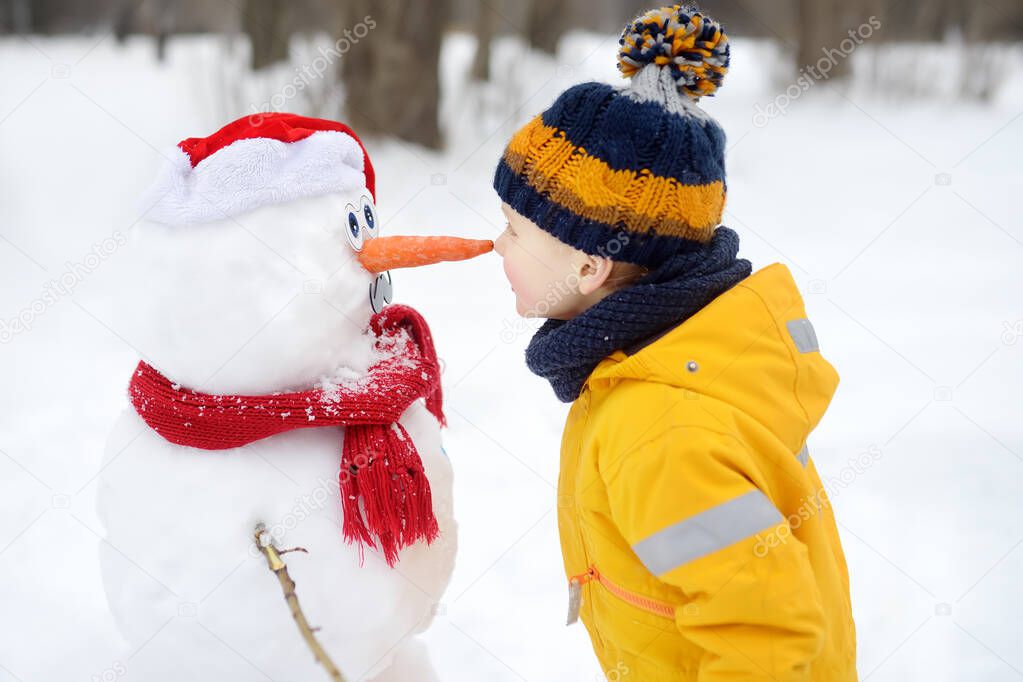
251,173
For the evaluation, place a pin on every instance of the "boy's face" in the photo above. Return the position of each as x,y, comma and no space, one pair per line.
550,278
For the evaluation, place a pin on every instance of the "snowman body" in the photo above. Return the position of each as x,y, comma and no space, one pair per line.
269,300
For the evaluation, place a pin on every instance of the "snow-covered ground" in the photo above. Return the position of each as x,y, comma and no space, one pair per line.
898,218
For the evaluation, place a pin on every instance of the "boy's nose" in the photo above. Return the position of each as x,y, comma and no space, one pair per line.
387,253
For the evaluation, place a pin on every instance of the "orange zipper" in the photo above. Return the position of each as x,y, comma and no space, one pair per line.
575,583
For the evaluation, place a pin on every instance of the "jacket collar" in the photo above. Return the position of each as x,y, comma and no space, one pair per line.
753,349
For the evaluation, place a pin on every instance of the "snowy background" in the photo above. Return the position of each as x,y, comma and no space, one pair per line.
899,219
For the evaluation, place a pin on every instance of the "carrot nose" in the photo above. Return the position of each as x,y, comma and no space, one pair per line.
387,253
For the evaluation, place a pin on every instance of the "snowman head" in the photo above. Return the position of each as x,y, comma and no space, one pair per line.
251,271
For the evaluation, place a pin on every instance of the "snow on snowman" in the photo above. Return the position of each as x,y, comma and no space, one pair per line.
279,386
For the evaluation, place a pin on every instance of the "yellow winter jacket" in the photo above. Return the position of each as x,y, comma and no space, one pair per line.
698,540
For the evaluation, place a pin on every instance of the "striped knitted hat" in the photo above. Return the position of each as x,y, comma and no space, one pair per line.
637,173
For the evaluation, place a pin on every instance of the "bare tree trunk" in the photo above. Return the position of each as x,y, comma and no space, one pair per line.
981,68
264,22
165,25
391,72
820,30
546,22
44,15
124,20
485,21
17,16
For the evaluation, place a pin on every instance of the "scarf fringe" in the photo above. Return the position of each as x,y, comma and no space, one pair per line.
397,506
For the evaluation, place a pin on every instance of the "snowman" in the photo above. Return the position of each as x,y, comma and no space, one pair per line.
278,386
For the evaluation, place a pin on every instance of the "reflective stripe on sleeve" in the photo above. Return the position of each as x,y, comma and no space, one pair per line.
707,532
803,335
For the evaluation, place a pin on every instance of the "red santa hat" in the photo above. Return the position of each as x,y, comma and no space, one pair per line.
256,161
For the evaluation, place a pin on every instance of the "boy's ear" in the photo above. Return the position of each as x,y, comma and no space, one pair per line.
593,271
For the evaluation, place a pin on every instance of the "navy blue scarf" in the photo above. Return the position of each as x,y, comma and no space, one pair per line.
565,352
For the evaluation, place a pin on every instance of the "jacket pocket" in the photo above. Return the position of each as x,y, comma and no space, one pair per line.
648,604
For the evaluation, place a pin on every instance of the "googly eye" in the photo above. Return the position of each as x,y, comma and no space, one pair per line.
369,216
353,228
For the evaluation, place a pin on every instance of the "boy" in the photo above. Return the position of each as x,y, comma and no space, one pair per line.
698,540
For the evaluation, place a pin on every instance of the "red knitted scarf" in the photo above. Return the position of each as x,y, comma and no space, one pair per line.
379,462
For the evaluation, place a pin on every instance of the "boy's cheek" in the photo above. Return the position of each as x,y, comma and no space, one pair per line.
517,274
509,272
520,283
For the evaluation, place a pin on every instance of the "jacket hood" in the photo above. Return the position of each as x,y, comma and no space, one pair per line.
752,348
